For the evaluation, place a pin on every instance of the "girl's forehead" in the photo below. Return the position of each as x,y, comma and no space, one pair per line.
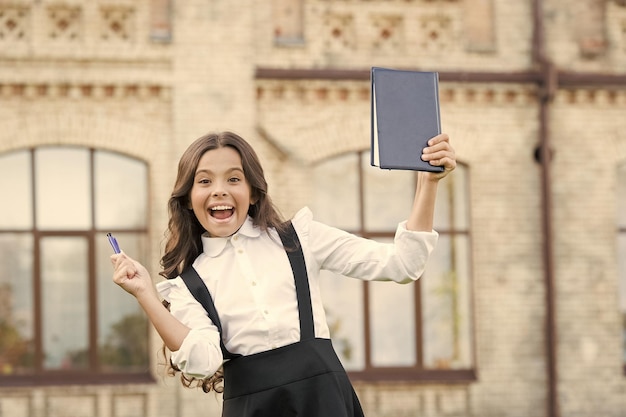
219,159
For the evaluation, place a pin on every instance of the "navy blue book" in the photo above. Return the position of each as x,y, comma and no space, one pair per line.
405,115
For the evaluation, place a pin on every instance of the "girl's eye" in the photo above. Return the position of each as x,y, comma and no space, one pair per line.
204,181
234,179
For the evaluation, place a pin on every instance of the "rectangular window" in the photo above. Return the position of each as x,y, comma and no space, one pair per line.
343,303
65,309
62,319
63,191
111,181
15,181
392,324
17,321
447,324
288,21
384,330
122,325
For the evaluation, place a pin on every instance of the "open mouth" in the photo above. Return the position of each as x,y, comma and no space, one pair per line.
221,212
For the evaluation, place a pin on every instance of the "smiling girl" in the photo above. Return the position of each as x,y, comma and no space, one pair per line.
242,284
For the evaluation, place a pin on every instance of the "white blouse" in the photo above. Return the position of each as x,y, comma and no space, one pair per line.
252,285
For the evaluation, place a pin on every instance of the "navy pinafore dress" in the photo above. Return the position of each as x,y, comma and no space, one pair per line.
304,379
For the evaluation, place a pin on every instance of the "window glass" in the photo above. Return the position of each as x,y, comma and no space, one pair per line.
445,305
65,311
451,210
621,196
393,323
343,303
120,203
287,21
122,326
621,247
83,322
336,192
62,184
392,315
388,196
15,186
16,303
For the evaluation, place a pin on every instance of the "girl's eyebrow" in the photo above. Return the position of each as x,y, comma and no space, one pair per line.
228,171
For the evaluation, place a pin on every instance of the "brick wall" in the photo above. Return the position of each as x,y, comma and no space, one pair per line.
149,98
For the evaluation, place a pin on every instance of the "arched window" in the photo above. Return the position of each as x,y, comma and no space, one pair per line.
383,330
287,20
62,319
621,250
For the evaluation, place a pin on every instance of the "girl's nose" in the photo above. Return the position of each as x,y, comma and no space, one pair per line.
219,193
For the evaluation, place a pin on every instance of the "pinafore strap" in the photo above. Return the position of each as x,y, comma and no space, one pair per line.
292,246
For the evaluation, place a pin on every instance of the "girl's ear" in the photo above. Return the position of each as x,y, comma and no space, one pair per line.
253,198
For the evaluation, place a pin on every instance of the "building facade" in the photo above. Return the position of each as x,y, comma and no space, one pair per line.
522,310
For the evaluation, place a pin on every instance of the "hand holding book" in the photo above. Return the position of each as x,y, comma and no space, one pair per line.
439,153
405,116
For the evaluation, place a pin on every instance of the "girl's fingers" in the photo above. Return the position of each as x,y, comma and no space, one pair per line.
441,138
438,143
124,267
440,153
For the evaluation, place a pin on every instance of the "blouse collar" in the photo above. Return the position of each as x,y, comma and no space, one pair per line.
213,246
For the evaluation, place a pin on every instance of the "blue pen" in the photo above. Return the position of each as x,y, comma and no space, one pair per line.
113,242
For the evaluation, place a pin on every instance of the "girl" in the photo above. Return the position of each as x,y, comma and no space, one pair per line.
242,284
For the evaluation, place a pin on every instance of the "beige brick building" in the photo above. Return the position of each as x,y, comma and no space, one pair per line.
533,94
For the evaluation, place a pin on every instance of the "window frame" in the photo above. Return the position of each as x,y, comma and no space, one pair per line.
93,373
417,372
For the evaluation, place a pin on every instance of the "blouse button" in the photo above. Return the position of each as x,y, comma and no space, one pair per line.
254,283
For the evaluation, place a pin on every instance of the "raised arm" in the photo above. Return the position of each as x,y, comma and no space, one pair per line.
439,153
134,278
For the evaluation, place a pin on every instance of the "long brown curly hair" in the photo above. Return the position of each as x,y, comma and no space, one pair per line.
183,236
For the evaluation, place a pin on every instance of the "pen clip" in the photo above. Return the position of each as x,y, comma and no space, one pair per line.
113,242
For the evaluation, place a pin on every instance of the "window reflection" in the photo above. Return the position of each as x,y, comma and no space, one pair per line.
64,278
15,187
445,301
392,310
451,210
122,326
343,300
63,198
121,192
388,195
16,304
336,192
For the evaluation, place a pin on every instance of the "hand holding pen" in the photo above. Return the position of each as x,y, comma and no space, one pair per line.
128,273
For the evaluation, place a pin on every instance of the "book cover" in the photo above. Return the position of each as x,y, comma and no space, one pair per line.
405,115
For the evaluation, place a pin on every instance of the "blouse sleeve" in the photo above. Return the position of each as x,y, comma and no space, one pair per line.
200,354
335,250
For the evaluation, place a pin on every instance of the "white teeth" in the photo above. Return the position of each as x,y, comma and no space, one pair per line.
222,208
